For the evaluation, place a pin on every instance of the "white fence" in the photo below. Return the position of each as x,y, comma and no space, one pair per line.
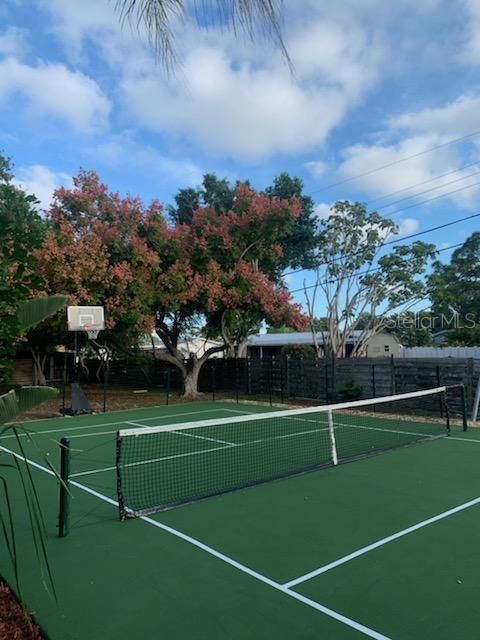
440,352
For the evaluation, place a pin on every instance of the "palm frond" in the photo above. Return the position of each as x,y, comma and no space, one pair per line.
31,312
156,16
15,402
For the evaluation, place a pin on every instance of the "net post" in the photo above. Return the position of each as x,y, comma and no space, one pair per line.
121,502
333,443
64,382
64,493
106,367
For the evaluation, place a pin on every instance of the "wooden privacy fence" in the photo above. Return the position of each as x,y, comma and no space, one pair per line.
324,381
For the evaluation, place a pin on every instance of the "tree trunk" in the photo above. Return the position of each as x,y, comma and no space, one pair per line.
190,379
38,363
242,349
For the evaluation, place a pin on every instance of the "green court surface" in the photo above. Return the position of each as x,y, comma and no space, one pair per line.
382,547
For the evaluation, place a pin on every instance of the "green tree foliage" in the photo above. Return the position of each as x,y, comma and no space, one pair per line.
300,248
21,232
297,241
360,279
214,267
455,294
215,193
412,329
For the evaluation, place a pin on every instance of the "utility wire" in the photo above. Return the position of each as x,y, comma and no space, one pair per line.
420,184
421,193
394,241
363,273
395,162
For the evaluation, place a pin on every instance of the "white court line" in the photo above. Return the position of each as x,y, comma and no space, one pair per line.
380,543
181,433
194,435
371,633
195,453
151,461
109,424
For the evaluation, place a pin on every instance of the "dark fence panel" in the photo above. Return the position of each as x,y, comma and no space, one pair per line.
281,379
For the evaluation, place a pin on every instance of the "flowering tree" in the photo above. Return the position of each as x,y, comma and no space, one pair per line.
95,251
213,267
104,249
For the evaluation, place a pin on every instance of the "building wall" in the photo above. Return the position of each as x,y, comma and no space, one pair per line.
383,345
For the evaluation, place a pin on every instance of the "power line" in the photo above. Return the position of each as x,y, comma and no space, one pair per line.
420,184
395,241
395,162
421,193
362,273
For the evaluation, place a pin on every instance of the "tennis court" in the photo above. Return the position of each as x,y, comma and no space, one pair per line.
383,547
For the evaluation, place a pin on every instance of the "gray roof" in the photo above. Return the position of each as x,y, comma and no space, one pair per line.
300,337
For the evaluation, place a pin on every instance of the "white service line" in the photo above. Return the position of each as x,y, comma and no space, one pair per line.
111,424
380,543
229,445
371,633
150,461
194,435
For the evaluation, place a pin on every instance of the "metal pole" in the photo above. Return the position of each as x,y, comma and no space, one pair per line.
106,367
64,495
64,379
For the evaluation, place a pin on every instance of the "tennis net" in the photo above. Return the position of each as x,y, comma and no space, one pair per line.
161,467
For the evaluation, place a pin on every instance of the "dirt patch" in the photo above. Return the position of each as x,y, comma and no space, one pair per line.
117,399
15,622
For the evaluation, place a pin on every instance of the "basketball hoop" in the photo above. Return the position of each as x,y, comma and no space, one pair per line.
91,331
88,319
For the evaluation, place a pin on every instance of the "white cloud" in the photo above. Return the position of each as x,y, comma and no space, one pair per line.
232,96
73,23
322,210
123,150
471,50
54,90
316,168
39,180
382,169
455,119
407,226
13,42
242,112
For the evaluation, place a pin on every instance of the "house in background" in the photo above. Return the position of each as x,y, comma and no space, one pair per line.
198,346
267,345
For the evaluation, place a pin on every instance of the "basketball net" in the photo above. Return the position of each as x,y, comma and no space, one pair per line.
92,333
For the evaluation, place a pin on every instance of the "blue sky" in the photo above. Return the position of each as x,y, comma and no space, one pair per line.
376,81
